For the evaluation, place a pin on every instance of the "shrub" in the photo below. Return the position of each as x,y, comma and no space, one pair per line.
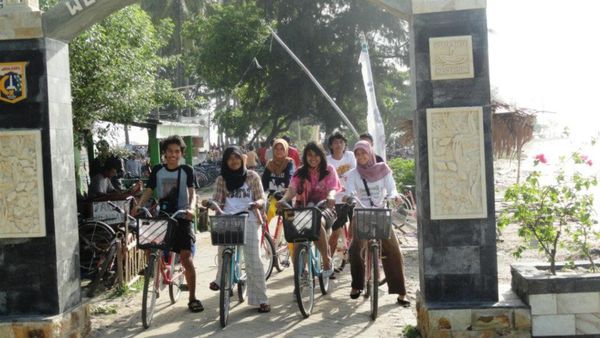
546,212
404,172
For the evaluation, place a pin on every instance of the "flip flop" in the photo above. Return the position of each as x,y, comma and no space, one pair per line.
264,308
403,302
195,306
355,295
214,286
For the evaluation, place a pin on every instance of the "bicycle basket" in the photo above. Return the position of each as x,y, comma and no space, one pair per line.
301,224
228,229
154,233
373,223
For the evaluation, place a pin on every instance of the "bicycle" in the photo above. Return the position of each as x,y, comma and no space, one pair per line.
407,209
372,225
275,243
227,230
164,267
302,227
339,256
99,244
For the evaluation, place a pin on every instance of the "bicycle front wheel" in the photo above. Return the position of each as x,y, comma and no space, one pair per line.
303,280
176,275
103,273
225,290
267,254
152,281
374,282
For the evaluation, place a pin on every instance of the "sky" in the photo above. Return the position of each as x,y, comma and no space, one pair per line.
545,55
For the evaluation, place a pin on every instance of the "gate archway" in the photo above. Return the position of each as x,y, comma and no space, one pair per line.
455,189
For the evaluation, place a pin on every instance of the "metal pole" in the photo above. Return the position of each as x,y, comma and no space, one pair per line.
314,80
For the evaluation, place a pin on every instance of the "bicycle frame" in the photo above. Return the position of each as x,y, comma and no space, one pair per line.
236,255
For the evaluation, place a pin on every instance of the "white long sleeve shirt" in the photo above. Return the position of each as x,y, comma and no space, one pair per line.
385,187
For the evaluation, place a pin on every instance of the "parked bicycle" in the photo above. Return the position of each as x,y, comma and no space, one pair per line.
407,209
164,267
302,227
373,225
99,243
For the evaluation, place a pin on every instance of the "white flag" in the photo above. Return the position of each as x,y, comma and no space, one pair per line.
374,122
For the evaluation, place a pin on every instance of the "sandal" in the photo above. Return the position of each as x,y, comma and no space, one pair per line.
403,302
355,293
264,308
214,286
195,306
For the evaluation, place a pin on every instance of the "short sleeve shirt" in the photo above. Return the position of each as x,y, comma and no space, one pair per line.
162,180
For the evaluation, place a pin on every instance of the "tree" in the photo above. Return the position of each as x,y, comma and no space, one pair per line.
324,35
114,68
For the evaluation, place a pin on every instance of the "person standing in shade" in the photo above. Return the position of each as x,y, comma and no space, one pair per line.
369,138
343,161
251,157
292,152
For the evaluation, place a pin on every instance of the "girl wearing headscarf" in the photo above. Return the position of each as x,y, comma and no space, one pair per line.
236,189
278,172
380,182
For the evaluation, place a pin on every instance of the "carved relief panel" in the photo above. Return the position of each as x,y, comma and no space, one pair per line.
456,163
451,57
21,184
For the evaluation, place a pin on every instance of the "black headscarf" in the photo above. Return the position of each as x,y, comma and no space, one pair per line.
233,179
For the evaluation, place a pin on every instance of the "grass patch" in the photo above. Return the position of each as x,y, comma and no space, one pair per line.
104,310
410,331
125,290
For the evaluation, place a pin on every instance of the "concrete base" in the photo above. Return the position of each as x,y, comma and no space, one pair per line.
509,317
72,324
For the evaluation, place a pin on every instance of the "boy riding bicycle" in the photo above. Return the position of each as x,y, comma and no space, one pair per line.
174,187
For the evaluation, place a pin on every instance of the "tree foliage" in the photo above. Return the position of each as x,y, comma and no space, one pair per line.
114,67
324,34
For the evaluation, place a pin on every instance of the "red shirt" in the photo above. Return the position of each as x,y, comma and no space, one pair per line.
293,153
262,155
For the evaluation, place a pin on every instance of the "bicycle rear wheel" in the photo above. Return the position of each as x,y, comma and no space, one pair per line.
95,238
303,280
225,290
104,271
340,255
374,282
282,248
175,285
267,254
152,282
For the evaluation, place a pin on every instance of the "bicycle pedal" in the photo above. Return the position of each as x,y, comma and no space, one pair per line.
184,287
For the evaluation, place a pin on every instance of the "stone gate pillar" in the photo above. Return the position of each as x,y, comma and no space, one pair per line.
450,86
39,255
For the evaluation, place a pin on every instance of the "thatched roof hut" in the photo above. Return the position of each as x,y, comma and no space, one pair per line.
512,128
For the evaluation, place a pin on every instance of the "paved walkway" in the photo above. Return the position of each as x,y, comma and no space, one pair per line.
334,314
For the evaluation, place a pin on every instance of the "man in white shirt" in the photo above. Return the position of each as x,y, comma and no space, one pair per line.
343,161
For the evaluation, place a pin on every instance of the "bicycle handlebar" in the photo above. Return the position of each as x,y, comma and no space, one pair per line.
352,199
212,204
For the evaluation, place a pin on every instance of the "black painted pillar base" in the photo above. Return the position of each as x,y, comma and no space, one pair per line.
457,257
40,276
